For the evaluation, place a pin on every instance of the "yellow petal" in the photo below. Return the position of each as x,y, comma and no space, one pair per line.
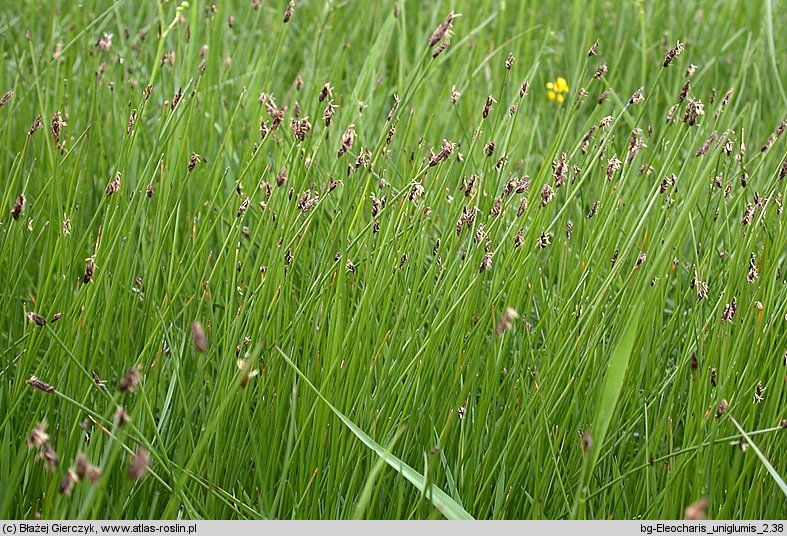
550,85
560,98
551,95
562,85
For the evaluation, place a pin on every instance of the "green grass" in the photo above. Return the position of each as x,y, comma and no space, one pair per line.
354,367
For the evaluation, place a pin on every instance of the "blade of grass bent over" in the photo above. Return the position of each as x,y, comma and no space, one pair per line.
610,393
779,480
447,506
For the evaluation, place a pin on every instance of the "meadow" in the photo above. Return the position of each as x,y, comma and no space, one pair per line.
393,259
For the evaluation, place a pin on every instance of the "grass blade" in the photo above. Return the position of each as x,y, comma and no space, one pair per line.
768,467
447,506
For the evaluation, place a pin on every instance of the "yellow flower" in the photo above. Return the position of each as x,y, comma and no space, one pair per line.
556,90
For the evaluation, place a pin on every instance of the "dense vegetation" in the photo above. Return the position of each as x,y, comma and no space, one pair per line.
393,259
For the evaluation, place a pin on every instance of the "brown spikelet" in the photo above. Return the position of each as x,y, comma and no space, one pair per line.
139,464
348,138
6,97
637,97
505,322
326,92
696,511
89,269
36,319
441,30
35,126
57,124
706,146
288,12
121,417
729,311
523,89
132,119
486,263
176,98
19,206
673,53
198,337
37,437
441,47
593,49
722,409
35,383
194,159
488,106
131,380
66,486
114,185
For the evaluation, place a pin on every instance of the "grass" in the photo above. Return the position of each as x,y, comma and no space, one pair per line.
335,349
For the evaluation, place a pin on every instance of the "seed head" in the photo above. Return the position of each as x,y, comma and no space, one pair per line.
640,259
57,124
637,97
441,47
694,109
490,100
114,185
753,274
288,12
348,138
446,148
37,437
593,49
327,115
758,393
544,240
486,263
326,92
723,406
35,383
702,290
198,337
613,164
586,441
122,418
601,71
301,127
6,97
509,61
441,30
19,206
672,54
140,461
455,94
35,126
36,319
729,310
547,194
696,511
706,146
67,484
523,89
131,380
522,207
505,322
560,170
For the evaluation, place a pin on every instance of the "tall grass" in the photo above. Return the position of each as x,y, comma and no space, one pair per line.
392,332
